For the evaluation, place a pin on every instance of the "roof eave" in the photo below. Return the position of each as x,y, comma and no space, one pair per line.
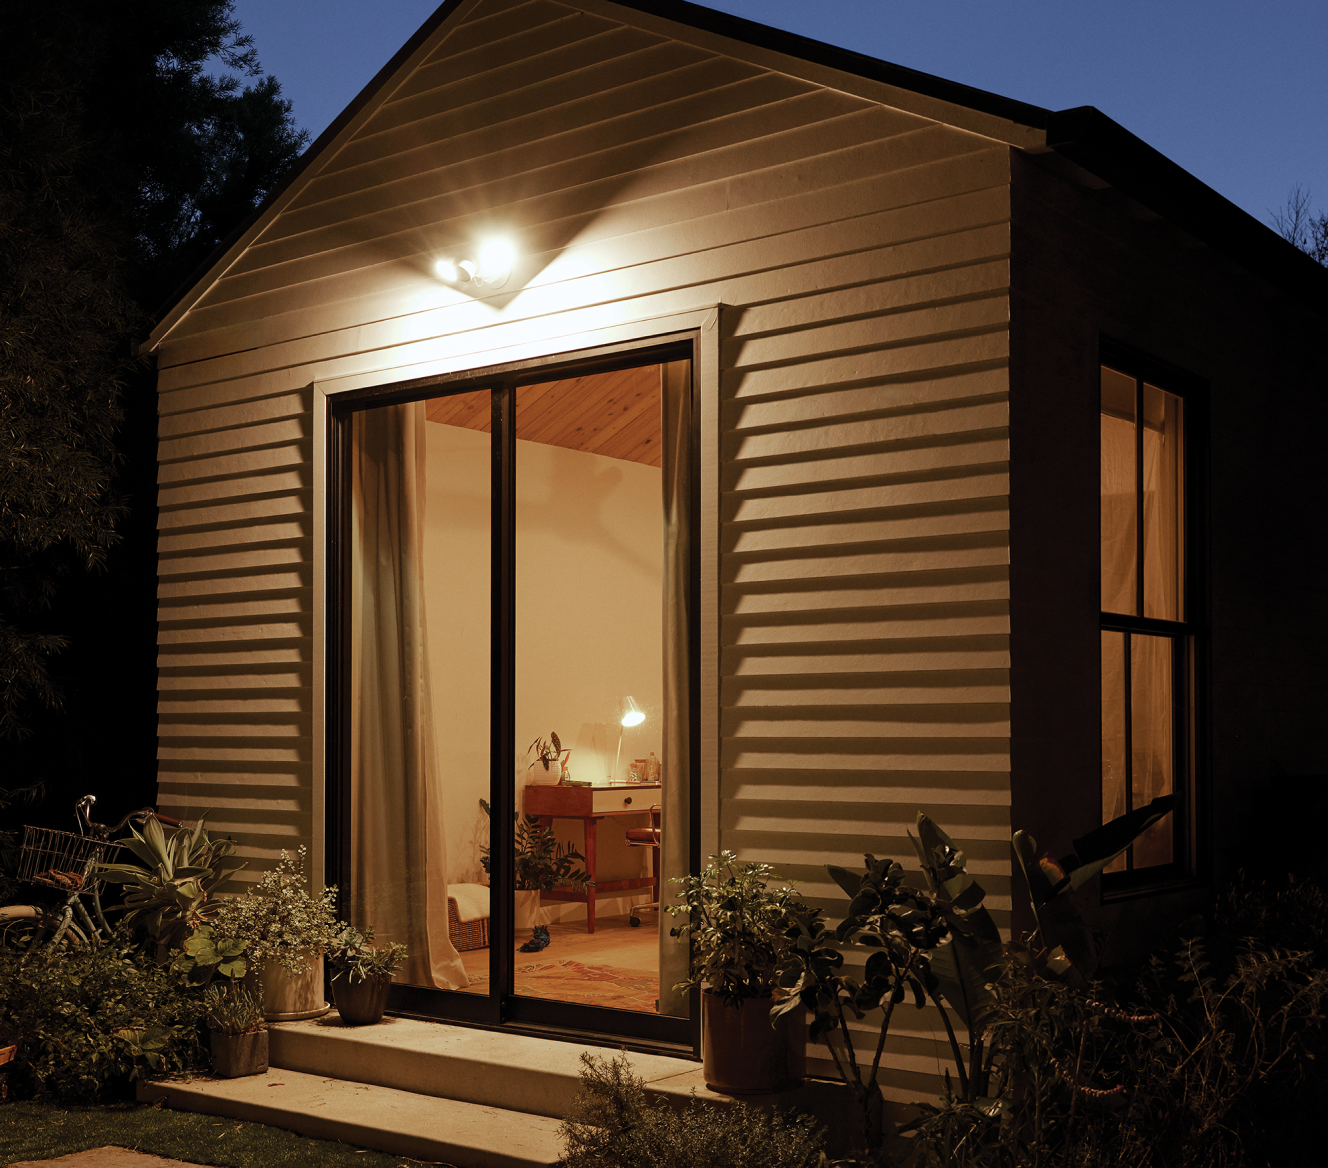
1088,138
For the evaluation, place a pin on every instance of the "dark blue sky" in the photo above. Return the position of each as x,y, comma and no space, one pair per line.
1236,91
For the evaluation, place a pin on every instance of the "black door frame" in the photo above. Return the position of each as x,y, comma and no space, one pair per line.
501,1008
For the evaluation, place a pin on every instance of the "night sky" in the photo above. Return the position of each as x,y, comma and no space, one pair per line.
1235,91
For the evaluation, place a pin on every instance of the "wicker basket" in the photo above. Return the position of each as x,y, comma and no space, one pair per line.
466,934
61,859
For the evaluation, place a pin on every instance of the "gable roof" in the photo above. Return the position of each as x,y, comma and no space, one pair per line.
1083,136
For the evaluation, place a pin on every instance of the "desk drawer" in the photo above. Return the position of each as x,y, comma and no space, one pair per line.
608,800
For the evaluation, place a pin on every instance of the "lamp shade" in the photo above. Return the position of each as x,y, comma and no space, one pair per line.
633,715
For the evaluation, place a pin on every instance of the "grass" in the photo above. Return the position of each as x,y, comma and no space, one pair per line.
41,1131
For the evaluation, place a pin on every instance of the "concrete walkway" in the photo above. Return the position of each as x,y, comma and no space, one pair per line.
105,1158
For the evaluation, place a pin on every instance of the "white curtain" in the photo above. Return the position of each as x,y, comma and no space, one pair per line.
398,878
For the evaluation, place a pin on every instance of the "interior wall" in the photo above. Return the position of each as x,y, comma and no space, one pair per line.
589,572
457,541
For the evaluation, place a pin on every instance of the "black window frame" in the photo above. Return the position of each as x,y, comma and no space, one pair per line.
1188,653
503,1009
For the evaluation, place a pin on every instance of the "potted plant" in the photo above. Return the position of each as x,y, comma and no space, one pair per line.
542,864
287,929
172,891
550,755
737,927
362,974
238,1031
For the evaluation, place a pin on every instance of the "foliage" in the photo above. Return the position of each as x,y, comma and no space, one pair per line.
10,840
1201,1068
234,1010
205,957
936,943
123,162
1070,951
1297,223
542,863
547,750
902,927
613,1125
736,926
85,1018
171,895
355,957
280,919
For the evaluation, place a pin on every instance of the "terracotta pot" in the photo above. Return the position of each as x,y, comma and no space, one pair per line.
234,1055
287,997
742,1054
360,1003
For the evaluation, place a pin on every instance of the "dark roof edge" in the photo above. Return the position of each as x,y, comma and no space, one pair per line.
1090,139
791,44
311,152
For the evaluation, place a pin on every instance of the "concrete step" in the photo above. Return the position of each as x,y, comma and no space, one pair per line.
516,1072
423,1127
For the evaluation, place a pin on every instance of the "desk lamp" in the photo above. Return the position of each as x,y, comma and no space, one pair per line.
632,715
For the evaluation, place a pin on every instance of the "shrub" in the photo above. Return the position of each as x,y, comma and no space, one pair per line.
1205,1063
87,1020
613,1125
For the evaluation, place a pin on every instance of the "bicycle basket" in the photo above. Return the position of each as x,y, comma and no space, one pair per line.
60,859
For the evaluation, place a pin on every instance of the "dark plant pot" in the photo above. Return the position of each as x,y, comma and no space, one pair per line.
234,1055
361,1003
742,1054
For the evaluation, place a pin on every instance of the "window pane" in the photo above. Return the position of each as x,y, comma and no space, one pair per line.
1119,502
1152,746
1114,770
1163,494
589,634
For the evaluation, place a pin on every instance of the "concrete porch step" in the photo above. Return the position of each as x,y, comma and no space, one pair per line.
404,1123
514,1072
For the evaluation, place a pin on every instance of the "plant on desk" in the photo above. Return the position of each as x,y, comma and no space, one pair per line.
550,754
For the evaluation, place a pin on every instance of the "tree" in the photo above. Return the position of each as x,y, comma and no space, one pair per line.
133,138
1297,223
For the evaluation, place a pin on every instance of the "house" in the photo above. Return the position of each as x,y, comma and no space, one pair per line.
890,444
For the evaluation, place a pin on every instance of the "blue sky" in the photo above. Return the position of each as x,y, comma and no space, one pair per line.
1235,92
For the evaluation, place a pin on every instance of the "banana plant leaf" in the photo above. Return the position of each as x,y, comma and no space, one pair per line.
1072,951
1094,851
962,966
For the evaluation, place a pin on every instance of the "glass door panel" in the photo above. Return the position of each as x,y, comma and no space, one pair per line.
590,711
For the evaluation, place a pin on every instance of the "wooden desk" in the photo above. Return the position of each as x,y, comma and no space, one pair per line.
590,805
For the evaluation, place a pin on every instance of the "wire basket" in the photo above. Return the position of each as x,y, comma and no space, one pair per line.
61,859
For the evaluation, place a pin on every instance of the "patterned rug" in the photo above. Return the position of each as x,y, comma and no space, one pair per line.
591,985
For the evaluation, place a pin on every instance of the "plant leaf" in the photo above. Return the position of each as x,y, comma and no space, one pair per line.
1098,848
845,879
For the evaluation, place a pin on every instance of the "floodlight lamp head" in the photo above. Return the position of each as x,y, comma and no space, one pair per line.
632,714
489,267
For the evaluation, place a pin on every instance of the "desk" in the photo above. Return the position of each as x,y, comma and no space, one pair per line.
590,805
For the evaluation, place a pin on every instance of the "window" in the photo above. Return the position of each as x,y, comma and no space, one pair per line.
1145,629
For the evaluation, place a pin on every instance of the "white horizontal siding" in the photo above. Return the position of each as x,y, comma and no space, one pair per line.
862,256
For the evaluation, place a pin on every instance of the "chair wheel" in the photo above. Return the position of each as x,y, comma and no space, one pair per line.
635,922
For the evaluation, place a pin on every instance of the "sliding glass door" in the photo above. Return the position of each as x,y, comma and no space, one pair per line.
513,723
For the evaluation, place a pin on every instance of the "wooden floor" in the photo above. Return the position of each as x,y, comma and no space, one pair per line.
613,944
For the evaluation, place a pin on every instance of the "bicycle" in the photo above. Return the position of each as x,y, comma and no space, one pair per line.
68,863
